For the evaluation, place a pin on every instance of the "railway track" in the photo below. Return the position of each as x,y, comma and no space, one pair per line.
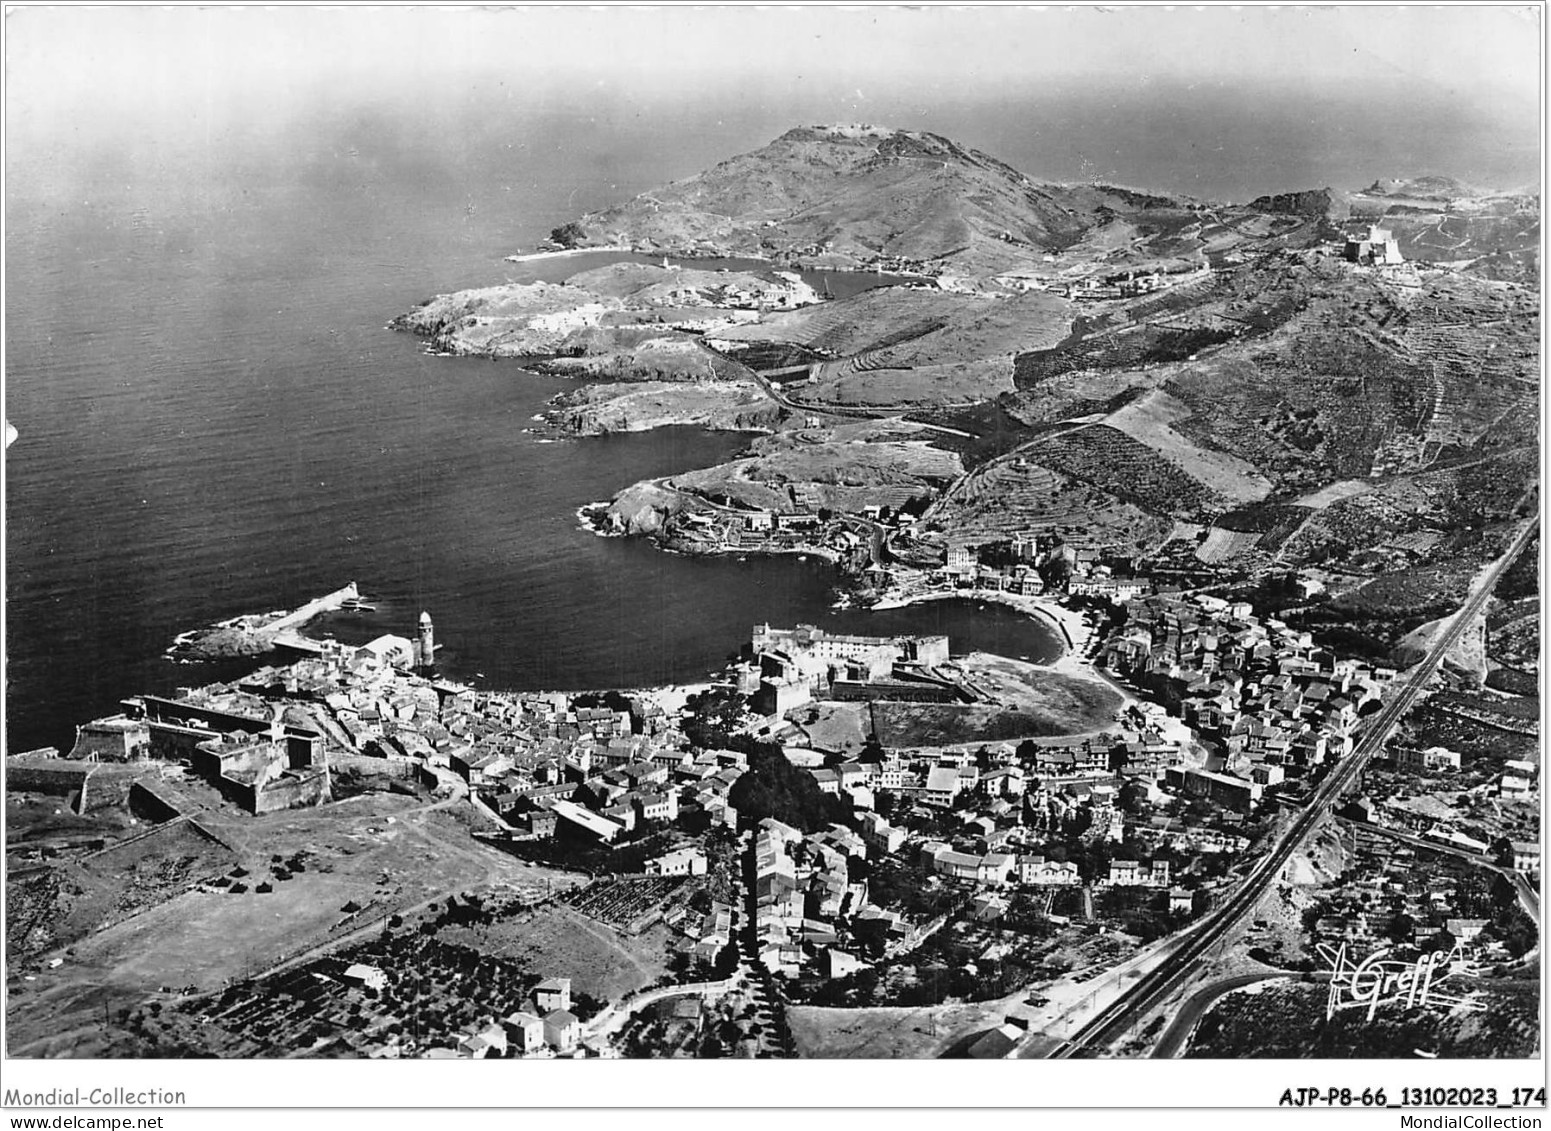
1182,963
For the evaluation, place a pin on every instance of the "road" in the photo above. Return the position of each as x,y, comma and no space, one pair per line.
1177,1035
612,1019
1196,942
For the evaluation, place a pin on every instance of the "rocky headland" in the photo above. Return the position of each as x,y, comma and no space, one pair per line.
1181,384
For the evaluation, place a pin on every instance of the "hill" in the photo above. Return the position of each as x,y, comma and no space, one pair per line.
1214,390
856,195
1319,203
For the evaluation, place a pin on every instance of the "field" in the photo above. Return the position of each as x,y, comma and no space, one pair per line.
1131,471
348,866
439,983
1078,396
834,726
1335,493
1132,347
1149,420
845,475
1475,741
67,901
1017,495
1024,701
1513,634
1225,545
871,382
900,347
630,904
874,319
558,941
642,405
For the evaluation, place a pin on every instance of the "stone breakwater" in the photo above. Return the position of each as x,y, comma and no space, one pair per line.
254,634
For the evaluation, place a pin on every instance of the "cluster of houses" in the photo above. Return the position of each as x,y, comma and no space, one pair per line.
802,885
1014,566
1518,780
549,1029
809,528
702,934
1117,285
545,763
1001,815
541,762
1392,900
1272,703
999,803
627,786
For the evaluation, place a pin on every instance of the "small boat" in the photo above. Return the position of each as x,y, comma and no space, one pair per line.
356,605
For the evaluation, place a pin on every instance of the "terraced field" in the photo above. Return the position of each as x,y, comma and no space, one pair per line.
631,904
863,380
1076,395
1021,495
1149,420
1121,350
1473,380
762,357
1127,469
1225,545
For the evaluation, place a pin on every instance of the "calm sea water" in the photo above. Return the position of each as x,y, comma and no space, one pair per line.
214,421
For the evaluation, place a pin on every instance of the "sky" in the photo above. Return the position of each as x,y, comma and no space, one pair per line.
1224,100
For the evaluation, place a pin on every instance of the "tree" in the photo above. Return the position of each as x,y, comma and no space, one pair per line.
773,787
1442,941
1401,928
568,235
726,961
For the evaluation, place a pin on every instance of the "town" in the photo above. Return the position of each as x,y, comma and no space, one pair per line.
776,842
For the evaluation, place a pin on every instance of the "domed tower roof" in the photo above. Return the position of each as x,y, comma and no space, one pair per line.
425,618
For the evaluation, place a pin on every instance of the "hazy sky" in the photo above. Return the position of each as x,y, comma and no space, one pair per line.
1212,100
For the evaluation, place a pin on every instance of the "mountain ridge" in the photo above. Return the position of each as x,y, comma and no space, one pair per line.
863,195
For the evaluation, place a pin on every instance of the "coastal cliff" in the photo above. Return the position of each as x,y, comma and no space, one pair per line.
597,410
625,320
1065,361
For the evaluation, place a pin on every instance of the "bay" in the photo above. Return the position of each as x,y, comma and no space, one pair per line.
214,420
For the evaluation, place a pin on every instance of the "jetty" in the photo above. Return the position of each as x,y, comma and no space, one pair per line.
250,635
327,603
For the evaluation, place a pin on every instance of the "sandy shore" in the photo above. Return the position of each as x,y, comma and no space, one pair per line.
673,698
1075,633
566,253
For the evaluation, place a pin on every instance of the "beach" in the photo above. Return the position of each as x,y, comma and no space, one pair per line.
565,253
1074,630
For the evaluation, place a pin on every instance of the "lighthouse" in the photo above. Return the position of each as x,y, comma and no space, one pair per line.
427,642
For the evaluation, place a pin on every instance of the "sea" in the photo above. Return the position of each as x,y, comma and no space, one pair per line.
214,419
